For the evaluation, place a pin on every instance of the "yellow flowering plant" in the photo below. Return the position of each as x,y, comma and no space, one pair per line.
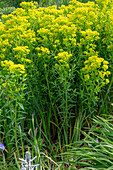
13,86
13,81
53,59
95,76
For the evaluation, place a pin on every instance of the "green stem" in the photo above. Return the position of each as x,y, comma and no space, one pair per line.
35,140
22,144
66,110
15,132
51,103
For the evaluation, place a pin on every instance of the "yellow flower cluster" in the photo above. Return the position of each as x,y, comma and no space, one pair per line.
43,53
28,5
12,68
43,50
89,36
96,70
63,58
21,52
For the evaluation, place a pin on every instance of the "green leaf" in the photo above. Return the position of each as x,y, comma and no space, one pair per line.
21,106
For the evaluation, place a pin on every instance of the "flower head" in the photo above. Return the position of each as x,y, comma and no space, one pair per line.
27,162
2,146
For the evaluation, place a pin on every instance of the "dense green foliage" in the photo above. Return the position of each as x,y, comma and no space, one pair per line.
6,10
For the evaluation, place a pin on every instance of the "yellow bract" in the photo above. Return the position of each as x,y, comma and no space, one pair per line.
12,68
95,72
63,58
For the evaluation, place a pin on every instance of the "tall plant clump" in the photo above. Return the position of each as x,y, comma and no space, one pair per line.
56,62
